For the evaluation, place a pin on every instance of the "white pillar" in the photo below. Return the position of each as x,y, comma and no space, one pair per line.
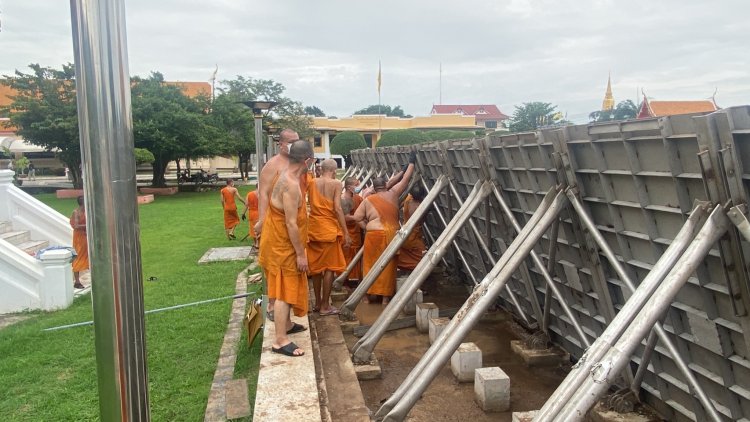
56,288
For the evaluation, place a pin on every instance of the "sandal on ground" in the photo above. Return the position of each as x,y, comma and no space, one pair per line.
288,350
269,315
79,286
296,328
331,311
315,310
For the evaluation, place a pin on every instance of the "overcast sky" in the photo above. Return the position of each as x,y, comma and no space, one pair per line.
500,52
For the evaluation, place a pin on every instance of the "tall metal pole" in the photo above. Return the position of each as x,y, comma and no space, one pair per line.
106,132
258,140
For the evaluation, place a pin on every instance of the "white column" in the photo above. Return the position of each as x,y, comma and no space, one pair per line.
56,288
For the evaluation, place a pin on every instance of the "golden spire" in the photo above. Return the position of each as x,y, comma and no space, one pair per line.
609,100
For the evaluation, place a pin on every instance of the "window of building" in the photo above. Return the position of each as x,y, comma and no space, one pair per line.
368,139
318,142
490,124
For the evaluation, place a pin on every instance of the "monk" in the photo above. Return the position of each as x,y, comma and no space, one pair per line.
350,201
282,248
251,213
412,250
80,243
271,170
380,212
231,219
327,228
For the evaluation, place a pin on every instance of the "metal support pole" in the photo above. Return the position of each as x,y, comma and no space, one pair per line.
431,238
398,405
258,142
551,259
363,348
540,265
663,336
346,173
624,318
347,309
529,288
349,268
737,215
106,133
598,379
635,386
367,177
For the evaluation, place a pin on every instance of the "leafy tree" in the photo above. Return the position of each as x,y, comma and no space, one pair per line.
314,111
383,109
171,125
143,156
402,137
530,116
623,111
22,164
346,142
44,111
445,134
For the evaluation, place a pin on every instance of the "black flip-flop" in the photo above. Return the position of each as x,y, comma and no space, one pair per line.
287,350
296,328
269,315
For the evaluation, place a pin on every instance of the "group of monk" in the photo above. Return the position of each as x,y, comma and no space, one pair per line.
306,225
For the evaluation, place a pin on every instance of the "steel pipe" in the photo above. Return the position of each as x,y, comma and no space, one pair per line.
625,278
629,311
739,219
397,406
615,360
362,350
339,281
347,310
540,265
108,160
551,259
430,236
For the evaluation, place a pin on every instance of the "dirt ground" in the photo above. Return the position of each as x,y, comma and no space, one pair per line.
446,399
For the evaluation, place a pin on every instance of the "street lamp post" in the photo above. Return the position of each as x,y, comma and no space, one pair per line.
258,108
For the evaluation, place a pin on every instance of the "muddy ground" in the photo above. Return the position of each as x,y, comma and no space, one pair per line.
446,399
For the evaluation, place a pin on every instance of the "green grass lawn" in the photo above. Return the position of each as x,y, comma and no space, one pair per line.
51,376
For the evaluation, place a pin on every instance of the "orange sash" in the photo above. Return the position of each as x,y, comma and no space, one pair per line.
324,247
413,248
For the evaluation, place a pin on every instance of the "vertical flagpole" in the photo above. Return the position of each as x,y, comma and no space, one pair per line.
380,80
441,84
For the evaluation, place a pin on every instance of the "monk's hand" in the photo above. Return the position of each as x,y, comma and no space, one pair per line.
302,264
347,240
413,157
257,227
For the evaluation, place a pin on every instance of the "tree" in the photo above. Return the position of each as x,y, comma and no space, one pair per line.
346,142
314,111
402,137
171,125
623,111
383,109
44,112
530,116
143,156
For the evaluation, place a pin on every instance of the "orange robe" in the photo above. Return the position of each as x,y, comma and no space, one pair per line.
279,261
252,212
412,250
355,233
324,247
231,219
375,243
80,242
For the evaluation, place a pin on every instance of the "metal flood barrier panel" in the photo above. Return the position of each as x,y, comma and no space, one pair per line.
638,180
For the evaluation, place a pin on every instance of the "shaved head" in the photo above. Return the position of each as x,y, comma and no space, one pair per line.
379,182
286,137
300,151
351,181
328,165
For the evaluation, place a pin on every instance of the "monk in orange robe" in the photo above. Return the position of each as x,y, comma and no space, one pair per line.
350,201
251,213
231,219
412,250
327,234
80,243
380,212
282,249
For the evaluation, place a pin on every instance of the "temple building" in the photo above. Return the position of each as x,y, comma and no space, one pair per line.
487,116
609,99
651,108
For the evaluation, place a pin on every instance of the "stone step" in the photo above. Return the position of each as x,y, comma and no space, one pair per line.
16,237
33,246
5,226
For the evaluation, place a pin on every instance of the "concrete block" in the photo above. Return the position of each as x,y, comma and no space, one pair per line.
543,357
425,311
411,306
348,326
145,199
437,325
465,360
238,404
492,389
369,371
338,297
527,416
600,413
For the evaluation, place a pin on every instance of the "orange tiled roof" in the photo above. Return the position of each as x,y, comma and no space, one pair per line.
193,89
5,93
670,108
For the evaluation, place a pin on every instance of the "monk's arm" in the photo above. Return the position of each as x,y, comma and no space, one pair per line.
360,215
400,187
393,180
290,200
237,195
264,189
340,212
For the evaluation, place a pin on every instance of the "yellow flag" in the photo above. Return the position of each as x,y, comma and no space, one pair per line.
379,77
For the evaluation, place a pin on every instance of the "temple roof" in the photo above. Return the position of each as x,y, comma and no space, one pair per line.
481,111
609,99
651,108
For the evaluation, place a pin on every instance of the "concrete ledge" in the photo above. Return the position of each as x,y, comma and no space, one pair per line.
544,357
287,387
159,191
145,199
369,371
68,193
